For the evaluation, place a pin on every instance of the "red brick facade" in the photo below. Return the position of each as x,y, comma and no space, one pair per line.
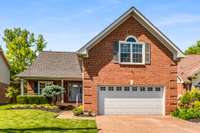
99,68
3,98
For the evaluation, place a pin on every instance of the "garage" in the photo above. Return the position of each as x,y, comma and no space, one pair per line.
130,100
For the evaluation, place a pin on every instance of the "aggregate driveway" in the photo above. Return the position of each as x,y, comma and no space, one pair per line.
144,124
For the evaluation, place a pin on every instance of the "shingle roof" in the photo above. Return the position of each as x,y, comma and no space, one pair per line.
189,66
51,64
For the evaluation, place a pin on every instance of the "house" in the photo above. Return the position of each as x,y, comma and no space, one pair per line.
4,77
128,68
188,73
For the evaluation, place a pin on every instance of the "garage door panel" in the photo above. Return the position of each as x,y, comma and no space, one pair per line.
121,102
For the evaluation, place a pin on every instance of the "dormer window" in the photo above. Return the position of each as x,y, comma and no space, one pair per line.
131,51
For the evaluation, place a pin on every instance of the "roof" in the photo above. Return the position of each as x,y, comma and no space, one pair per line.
54,65
133,12
4,58
189,66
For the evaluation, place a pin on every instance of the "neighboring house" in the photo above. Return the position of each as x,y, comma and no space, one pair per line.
128,68
4,77
188,73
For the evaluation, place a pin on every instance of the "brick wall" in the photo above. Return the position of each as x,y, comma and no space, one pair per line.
3,98
99,69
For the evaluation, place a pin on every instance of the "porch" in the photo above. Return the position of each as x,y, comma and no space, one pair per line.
72,94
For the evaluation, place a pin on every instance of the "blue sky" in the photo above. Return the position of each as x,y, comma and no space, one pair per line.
69,24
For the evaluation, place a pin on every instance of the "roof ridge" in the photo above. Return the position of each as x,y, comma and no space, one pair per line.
57,51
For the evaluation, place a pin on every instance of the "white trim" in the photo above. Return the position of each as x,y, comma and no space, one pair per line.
177,53
179,79
131,55
164,96
22,87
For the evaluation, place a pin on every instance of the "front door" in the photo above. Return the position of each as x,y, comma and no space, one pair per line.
75,93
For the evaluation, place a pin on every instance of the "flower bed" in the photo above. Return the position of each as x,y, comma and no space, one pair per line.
46,107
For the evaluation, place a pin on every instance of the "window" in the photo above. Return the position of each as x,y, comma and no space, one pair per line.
142,88
110,88
131,51
103,88
43,84
134,88
157,89
126,88
119,88
125,52
149,89
137,53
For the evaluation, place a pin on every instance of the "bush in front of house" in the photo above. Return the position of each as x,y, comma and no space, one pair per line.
32,100
12,93
78,111
52,92
189,105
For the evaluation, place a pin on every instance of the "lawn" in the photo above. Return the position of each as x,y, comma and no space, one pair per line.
31,121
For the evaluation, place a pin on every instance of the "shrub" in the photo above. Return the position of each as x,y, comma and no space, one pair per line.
78,111
187,114
31,100
51,92
12,93
189,105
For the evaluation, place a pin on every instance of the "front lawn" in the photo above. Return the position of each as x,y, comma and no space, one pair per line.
31,121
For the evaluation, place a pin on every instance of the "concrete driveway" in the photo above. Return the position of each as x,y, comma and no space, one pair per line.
144,124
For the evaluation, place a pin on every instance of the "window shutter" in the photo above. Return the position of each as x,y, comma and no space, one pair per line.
116,52
147,54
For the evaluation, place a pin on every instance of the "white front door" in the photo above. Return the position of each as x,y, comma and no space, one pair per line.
130,100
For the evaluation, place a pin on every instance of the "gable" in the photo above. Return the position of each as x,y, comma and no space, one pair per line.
4,71
132,12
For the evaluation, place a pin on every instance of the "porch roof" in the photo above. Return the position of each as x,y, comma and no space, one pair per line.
54,65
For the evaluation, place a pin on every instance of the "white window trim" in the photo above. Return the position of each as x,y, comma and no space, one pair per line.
129,63
45,82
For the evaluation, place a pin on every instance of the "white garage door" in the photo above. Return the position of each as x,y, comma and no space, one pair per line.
130,100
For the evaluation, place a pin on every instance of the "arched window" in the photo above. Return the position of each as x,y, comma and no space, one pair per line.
131,51
131,39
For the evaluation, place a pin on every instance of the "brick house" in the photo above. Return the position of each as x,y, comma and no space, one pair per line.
188,73
4,77
128,68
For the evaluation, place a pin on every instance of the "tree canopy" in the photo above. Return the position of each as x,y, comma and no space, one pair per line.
194,49
22,48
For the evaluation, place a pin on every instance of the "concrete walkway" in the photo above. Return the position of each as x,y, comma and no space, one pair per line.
144,124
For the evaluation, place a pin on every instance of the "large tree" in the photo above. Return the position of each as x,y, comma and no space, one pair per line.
22,48
194,49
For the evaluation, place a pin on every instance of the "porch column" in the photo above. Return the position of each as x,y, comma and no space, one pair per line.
22,86
62,95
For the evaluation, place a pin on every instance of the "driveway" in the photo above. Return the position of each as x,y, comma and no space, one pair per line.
144,124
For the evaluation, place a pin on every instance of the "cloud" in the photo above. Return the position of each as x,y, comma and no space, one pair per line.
177,19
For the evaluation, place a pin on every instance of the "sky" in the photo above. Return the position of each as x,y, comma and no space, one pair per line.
69,24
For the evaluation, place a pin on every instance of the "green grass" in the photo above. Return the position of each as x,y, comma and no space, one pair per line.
32,121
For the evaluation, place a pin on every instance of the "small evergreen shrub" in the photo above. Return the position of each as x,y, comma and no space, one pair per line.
31,100
78,111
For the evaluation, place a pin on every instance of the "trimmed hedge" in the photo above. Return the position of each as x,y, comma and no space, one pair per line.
32,100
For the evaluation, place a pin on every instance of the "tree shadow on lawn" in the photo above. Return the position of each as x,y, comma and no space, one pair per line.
48,129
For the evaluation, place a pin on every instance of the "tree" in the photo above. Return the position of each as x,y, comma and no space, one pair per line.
194,49
12,93
53,92
22,48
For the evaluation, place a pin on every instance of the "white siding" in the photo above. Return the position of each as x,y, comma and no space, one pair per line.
130,102
4,71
